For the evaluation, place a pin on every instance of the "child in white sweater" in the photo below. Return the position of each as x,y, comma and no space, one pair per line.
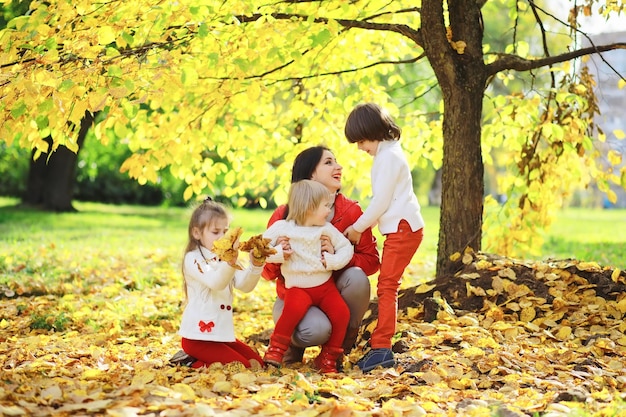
307,271
207,327
396,211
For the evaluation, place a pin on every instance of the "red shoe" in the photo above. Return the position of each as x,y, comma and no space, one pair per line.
276,350
274,356
326,361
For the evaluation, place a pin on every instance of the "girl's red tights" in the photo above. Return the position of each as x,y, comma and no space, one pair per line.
206,352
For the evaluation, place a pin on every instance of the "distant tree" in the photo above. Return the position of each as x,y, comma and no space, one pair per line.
255,84
51,181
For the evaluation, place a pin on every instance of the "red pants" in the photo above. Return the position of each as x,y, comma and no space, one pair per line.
327,298
207,352
398,250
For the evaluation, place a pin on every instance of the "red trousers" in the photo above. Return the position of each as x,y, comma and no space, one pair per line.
325,296
207,352
398,250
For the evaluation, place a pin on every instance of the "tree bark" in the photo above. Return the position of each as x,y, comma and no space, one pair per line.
462,75
51,180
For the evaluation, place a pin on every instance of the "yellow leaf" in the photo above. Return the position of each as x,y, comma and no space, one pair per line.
303,382
483,264
615,276
473,353
89,374
52,393
223,387
106,35
459,46
97,101
187,393
12,410
507,273
431,378
424,288
143,377
78,111
267,391
614,157
455,256
467,258
189,76
471,290
563,333
528,314
619,133
188,193
244,378
588,266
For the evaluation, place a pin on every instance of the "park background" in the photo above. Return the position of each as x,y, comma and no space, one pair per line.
91,303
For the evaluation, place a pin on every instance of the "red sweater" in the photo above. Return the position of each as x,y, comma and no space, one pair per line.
346,213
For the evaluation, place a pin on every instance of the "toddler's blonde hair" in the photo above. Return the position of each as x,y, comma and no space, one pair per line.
305,196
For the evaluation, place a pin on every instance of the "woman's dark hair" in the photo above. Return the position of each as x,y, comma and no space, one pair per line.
369,121
305,163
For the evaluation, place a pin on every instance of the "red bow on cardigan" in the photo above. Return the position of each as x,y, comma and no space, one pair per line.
206,327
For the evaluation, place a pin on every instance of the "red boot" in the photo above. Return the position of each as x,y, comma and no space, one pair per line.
326,361
276,350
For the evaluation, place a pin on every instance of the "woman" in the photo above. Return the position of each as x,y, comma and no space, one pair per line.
319,164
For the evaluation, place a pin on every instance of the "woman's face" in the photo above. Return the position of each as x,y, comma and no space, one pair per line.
328,172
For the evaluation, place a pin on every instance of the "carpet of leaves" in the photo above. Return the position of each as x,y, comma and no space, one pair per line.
499,338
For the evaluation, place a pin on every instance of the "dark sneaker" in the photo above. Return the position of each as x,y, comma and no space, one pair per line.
182,358
376,357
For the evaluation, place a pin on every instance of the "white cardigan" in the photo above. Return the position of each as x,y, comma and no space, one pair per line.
393,198
304,268
208,314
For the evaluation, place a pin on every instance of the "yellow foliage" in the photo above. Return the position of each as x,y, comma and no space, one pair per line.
181,81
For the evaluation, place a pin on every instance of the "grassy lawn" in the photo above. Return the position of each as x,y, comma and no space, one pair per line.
590,235
108,230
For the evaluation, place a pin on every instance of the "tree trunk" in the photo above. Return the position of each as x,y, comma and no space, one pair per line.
462,178
434,195
460,71
51,180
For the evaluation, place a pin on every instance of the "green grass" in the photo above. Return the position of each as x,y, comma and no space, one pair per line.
108,230
589,235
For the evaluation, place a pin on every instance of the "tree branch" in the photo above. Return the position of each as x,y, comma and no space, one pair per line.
401,29
323,74
572,28
514,62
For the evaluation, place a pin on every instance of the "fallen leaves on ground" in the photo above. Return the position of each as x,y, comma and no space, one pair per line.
501,337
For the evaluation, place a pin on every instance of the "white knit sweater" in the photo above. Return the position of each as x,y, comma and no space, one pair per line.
210,282
393,198
304,268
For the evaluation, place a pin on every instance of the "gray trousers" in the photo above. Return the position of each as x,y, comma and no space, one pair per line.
314,328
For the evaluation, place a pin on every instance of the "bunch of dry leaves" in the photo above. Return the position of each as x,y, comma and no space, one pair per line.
499,338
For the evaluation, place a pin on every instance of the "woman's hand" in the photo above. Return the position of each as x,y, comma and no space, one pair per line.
327,245
352,235
284,242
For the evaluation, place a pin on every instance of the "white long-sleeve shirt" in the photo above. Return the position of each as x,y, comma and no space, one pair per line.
393,198
208,314
304,268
